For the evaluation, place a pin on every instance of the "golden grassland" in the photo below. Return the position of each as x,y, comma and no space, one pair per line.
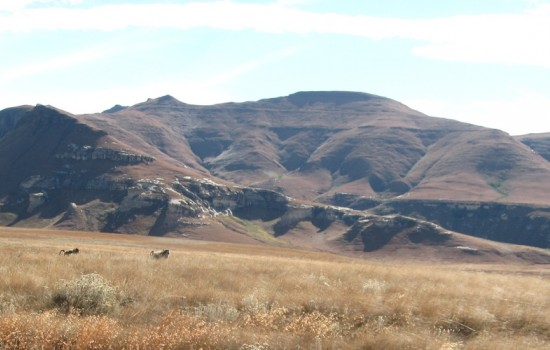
226,296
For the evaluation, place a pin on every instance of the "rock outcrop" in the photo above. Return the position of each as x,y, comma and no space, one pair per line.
504,222
36,200
86,153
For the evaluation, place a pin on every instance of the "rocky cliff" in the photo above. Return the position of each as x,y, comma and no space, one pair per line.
87,152
503,222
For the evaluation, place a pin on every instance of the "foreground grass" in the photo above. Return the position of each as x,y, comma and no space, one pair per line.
206,295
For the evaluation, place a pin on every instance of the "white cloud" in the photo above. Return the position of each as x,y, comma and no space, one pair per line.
499,38
533,3
15,5
509,39
292,2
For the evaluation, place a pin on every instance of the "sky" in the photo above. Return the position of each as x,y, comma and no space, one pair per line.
485,62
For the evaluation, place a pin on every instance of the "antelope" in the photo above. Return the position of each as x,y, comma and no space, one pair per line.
69,252
160,254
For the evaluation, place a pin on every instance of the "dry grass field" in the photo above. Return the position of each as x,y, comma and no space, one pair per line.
229,296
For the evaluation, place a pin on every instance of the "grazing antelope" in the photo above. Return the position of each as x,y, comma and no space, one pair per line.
160,254
69,252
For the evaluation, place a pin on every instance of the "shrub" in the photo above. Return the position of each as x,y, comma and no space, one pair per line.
89,294
6,305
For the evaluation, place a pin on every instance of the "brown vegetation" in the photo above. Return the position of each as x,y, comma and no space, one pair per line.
214,295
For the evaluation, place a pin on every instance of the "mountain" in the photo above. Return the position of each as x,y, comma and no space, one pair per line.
311,145
307,169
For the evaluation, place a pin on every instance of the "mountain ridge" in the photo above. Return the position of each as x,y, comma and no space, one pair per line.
122,170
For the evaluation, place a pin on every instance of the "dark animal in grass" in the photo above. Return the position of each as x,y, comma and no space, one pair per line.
69,252
162,254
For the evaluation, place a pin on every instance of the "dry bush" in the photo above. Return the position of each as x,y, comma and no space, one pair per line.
49,330
88,294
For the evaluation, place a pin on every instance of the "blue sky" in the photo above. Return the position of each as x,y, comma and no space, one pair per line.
483,62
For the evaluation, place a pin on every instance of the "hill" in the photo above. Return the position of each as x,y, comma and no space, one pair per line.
313,144
309,169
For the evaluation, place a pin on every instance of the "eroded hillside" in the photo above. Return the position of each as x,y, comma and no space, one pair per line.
271,170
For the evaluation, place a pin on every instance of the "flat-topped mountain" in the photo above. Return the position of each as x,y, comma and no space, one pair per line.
315,144
166,167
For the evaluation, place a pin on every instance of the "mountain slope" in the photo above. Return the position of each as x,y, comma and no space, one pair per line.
270,171
30,148
315,144
481,165
538,143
